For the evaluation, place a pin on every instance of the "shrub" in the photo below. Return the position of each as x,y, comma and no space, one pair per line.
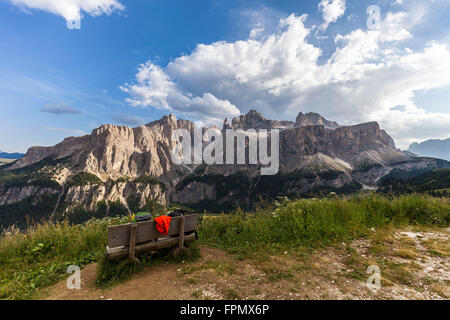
28,211
151,205
83,178
116,208
146,179
80,214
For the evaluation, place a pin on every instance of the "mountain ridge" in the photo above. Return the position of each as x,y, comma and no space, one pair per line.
437,148
12,156
126,169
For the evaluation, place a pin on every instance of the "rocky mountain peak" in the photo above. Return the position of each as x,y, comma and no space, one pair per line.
255,115
255,120
226,124
168,119
113,150
314,119
250,119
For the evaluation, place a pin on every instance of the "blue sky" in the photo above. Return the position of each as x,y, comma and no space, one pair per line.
133,61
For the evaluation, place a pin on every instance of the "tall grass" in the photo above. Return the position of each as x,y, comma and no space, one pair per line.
320,221
40,256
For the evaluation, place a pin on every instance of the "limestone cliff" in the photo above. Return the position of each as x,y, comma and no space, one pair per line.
132,167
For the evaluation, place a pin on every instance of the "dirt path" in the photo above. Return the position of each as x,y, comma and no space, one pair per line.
414,264
157,283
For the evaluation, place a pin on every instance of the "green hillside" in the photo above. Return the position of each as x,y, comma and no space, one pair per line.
436,182
6,161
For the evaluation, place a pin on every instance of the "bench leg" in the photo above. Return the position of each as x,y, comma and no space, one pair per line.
132,252
181,233
175,252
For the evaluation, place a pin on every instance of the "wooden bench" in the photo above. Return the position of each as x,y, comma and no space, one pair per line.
128,240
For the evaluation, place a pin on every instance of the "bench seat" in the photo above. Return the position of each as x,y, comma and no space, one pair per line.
134,238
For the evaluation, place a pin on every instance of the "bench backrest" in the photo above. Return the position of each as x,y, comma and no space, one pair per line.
119,236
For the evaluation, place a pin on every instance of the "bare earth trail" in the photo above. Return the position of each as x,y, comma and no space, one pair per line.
414,264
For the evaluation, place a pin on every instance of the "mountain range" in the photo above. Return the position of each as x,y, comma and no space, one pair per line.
118,169
432,148
5,155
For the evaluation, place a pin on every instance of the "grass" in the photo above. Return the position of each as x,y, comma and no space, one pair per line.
38,257
197,294
222,269
277,275
438,247
406,253
320,221
231,294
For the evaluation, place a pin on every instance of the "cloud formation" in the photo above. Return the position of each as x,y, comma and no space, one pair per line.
332,10
155,88
59,109
367,77
128,120
65,130
71,10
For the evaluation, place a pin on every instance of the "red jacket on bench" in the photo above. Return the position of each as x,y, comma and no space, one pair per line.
162,224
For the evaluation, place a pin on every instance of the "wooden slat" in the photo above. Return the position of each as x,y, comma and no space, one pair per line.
167,242
119,236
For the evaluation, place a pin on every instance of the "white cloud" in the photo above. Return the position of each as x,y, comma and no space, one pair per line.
368,75
155,88
332,10
65,130
128,120
71,10
59,109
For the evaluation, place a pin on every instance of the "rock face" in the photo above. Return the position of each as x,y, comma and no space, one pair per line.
195,192
16,194
90,195
133,167
116,155
116,151
350,147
